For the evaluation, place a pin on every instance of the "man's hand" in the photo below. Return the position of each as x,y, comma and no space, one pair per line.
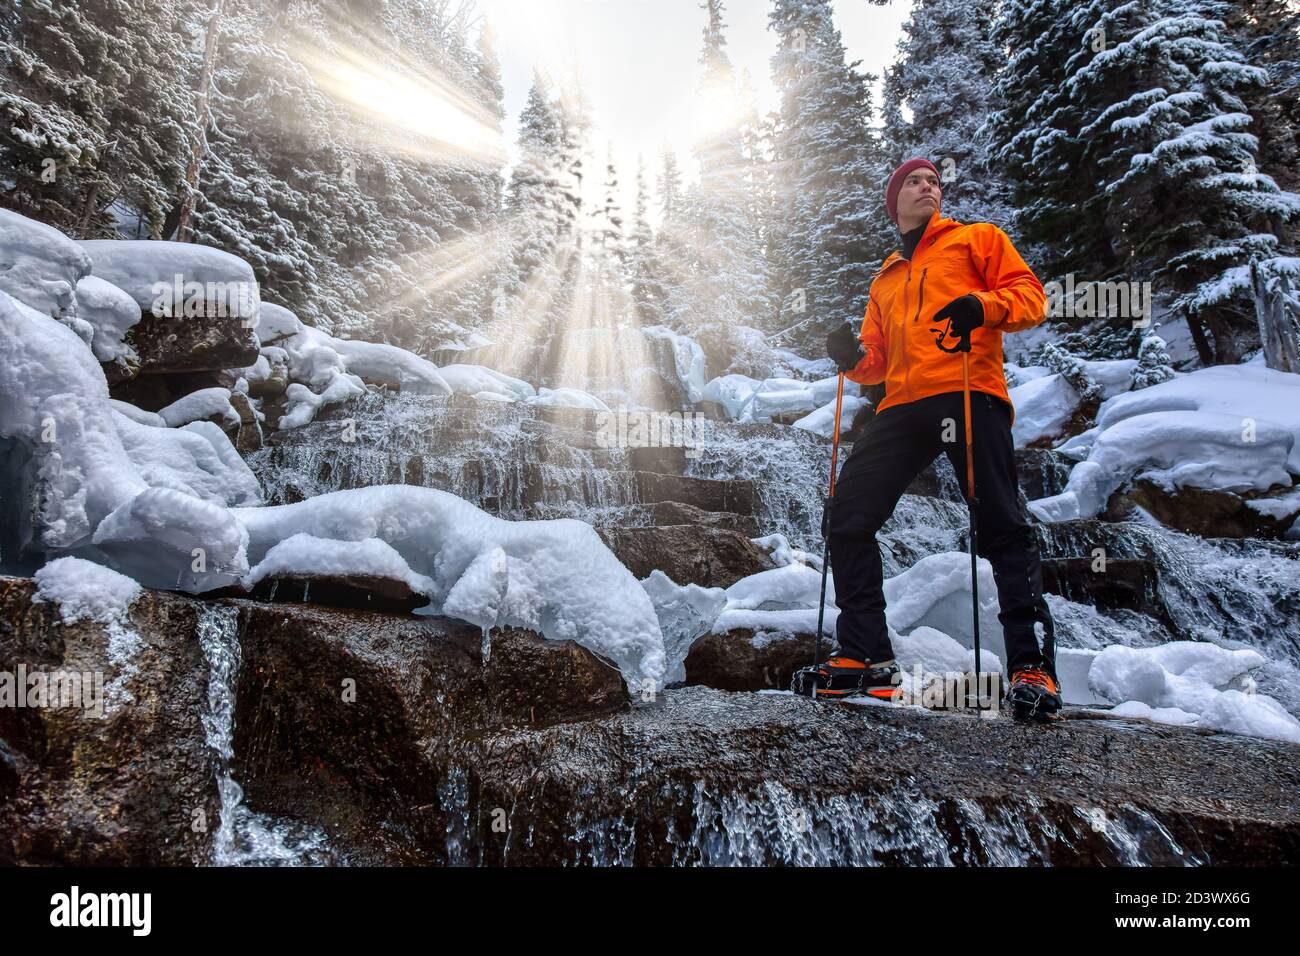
966,315
845,348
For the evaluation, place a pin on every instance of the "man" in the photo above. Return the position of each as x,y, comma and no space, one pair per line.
971,277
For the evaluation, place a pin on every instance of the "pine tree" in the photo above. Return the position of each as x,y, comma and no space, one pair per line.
1153,361
828,174
945,76
646,272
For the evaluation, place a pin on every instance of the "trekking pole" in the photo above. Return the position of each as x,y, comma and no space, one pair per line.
963,346
826,523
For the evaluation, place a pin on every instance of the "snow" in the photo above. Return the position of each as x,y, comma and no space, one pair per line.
202,404
733,392
177,278
782,553
85,591
54,399
560,578
137,415
276,323
1174,449
822,421
110,313
302,404
1230,428
39,265
305,555
382,364
688,359
1043,407
1188,682
166,538
473,379
197,459
567,398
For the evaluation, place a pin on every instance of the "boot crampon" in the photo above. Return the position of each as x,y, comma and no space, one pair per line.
1034,695
839,677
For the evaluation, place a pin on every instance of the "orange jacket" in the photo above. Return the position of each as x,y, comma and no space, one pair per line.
951,260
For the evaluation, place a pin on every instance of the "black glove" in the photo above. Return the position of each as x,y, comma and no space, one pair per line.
966,313
845,348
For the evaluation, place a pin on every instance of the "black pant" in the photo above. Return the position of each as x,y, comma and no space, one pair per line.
895,446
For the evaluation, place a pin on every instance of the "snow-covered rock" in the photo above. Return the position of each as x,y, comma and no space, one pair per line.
822,421
178,279
305,555
688,360
276,323
85,591
302,403
39,265
1227,428
559,578
473,379
1044,405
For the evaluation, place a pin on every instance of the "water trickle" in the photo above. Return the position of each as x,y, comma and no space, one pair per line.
244,837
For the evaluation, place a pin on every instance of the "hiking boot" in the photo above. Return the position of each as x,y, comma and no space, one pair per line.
1033,695
840,677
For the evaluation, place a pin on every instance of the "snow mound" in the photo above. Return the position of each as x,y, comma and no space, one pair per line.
822,421
177,278
302,403
276,323
40,265
567,398
559,577
54,400
110,313
85,591
1188,682
1043,407
166,538
202,404
475,379
305,555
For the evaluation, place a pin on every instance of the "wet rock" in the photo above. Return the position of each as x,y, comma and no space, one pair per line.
743,660
665,461
1042,472
689,554
248,437
347,717
359,591
194,344
735,496
1130,583
665,513
740,778
128,784
1200,511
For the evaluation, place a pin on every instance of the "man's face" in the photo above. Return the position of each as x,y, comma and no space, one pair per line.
918,199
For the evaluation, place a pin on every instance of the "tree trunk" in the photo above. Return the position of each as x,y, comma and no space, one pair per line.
1279,326
1199,340
203,117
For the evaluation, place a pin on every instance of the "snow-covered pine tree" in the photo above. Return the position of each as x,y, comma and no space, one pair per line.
645,270
1181,179
944,75
828,175
1153,365
97,106
724,284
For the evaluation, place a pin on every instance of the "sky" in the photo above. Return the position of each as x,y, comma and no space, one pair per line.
638,60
